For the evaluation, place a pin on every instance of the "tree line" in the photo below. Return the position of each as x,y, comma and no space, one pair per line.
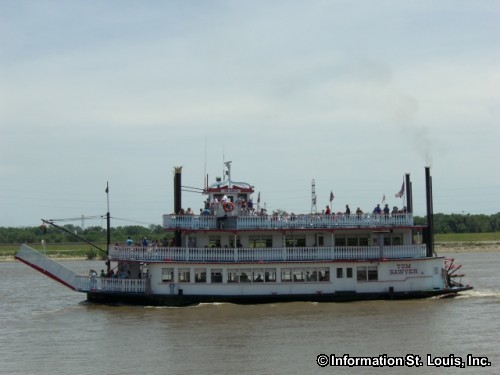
443,223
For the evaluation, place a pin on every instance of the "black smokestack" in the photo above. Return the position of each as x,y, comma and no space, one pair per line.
409,196
430,213
177,201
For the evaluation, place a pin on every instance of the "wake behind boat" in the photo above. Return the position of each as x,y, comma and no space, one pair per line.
233,251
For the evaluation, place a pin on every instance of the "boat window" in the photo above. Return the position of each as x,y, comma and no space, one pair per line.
340,241
200,275
286,275
260,241
361,273
257,275
352,241
245,276
214,241
299,275
372,273
231,242
184,275
292,241
363,241
167,275
270,275
369,273
324,273
340,273
320,240
232,276
348,272
396,241
311,275
216,276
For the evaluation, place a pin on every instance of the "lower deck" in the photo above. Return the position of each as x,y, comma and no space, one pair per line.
272,279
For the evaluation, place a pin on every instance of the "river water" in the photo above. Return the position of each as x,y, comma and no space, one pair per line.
46,328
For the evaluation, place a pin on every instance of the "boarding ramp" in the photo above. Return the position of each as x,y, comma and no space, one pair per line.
48,267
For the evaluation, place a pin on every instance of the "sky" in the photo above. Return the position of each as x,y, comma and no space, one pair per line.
350,94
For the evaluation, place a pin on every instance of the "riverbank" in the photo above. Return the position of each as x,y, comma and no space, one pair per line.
466,246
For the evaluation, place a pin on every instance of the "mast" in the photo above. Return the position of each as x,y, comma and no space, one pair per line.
108,230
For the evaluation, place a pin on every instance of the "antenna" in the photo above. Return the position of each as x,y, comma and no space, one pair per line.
205,180
313,197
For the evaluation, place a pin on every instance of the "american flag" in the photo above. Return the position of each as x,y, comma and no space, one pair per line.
331,196
400,193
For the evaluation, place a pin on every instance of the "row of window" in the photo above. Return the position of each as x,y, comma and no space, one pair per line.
268,275
300,241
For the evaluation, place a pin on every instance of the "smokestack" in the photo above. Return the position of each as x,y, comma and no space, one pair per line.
430,213
177,189
177,201
409,196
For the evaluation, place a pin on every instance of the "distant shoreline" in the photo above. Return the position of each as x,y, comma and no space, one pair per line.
465,247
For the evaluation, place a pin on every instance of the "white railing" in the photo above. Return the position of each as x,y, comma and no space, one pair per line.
106,284
286,254
289,221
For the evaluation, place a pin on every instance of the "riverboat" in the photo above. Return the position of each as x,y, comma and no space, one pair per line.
234,251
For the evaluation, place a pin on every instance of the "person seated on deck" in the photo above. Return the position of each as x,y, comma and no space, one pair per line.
189,211
377,210
258,278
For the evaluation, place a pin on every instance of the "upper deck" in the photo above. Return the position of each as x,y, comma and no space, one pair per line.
284,222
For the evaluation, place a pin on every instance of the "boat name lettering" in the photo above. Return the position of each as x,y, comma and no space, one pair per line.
403,269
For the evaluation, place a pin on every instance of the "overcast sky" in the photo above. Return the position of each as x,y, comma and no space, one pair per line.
352,94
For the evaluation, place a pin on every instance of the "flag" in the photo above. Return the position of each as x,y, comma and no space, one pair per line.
383,199
107,188
258,198
400,193
331,196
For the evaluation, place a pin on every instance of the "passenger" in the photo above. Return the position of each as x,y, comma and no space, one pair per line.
145,242
189,211
347,210
103,274
359,212
129,241
328,211
259,278
377,210
386,209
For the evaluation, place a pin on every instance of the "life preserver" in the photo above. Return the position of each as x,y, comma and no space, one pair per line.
228,206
